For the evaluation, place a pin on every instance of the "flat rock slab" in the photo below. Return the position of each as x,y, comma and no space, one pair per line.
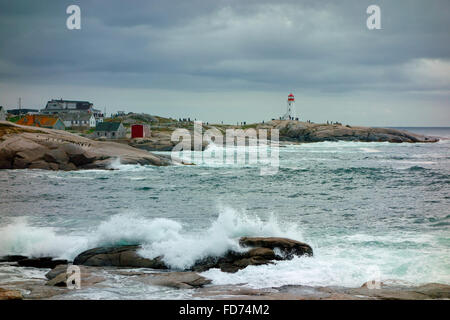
59,276
180,280
396,292
298,292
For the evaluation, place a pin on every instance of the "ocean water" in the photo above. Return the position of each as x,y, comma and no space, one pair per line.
369,211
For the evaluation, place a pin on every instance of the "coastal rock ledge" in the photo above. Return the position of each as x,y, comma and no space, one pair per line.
315,132
260,251
23,147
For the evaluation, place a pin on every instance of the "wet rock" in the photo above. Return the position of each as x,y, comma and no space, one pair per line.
12,258
181,280
300,292
262,252
287,247
6,294
59,276
43,262
59,281
117,256
62,268
396,291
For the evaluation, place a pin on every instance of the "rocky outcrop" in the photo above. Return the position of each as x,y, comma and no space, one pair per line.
261,251
288,248
117,256
312,132
23,147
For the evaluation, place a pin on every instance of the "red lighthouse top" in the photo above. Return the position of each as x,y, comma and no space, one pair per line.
291,97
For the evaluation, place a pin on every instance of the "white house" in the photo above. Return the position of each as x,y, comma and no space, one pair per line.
56,106
78,120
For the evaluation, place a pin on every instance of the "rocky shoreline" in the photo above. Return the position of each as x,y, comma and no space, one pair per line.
53,285
291,131
24,147
313,132
98,265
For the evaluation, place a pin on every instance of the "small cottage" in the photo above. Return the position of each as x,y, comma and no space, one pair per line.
140,131
110,130
78,120
2,114
42,122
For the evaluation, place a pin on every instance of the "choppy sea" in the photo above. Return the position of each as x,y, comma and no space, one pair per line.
367,209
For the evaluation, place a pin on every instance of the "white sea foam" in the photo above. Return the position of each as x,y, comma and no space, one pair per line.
342,265
21,238
347,260
182,249
117,165
158,237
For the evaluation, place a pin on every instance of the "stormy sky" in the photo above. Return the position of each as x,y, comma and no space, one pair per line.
229,60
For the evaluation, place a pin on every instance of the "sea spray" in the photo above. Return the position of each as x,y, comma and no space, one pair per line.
180,247
22,239
183,249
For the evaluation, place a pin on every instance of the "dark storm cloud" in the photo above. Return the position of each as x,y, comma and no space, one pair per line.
207,45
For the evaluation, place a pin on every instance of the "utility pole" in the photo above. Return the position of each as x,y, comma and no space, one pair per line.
20,106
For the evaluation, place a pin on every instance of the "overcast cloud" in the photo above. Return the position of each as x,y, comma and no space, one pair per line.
233,60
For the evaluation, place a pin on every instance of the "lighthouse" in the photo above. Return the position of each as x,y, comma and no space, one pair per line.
290,112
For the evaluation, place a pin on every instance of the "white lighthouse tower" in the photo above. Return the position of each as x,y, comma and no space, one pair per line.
290,113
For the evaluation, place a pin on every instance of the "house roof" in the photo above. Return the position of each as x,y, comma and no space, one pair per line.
108,126
38,121
21,111
75,116
80,105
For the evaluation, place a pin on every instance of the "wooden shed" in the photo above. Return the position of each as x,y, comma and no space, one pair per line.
140,131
